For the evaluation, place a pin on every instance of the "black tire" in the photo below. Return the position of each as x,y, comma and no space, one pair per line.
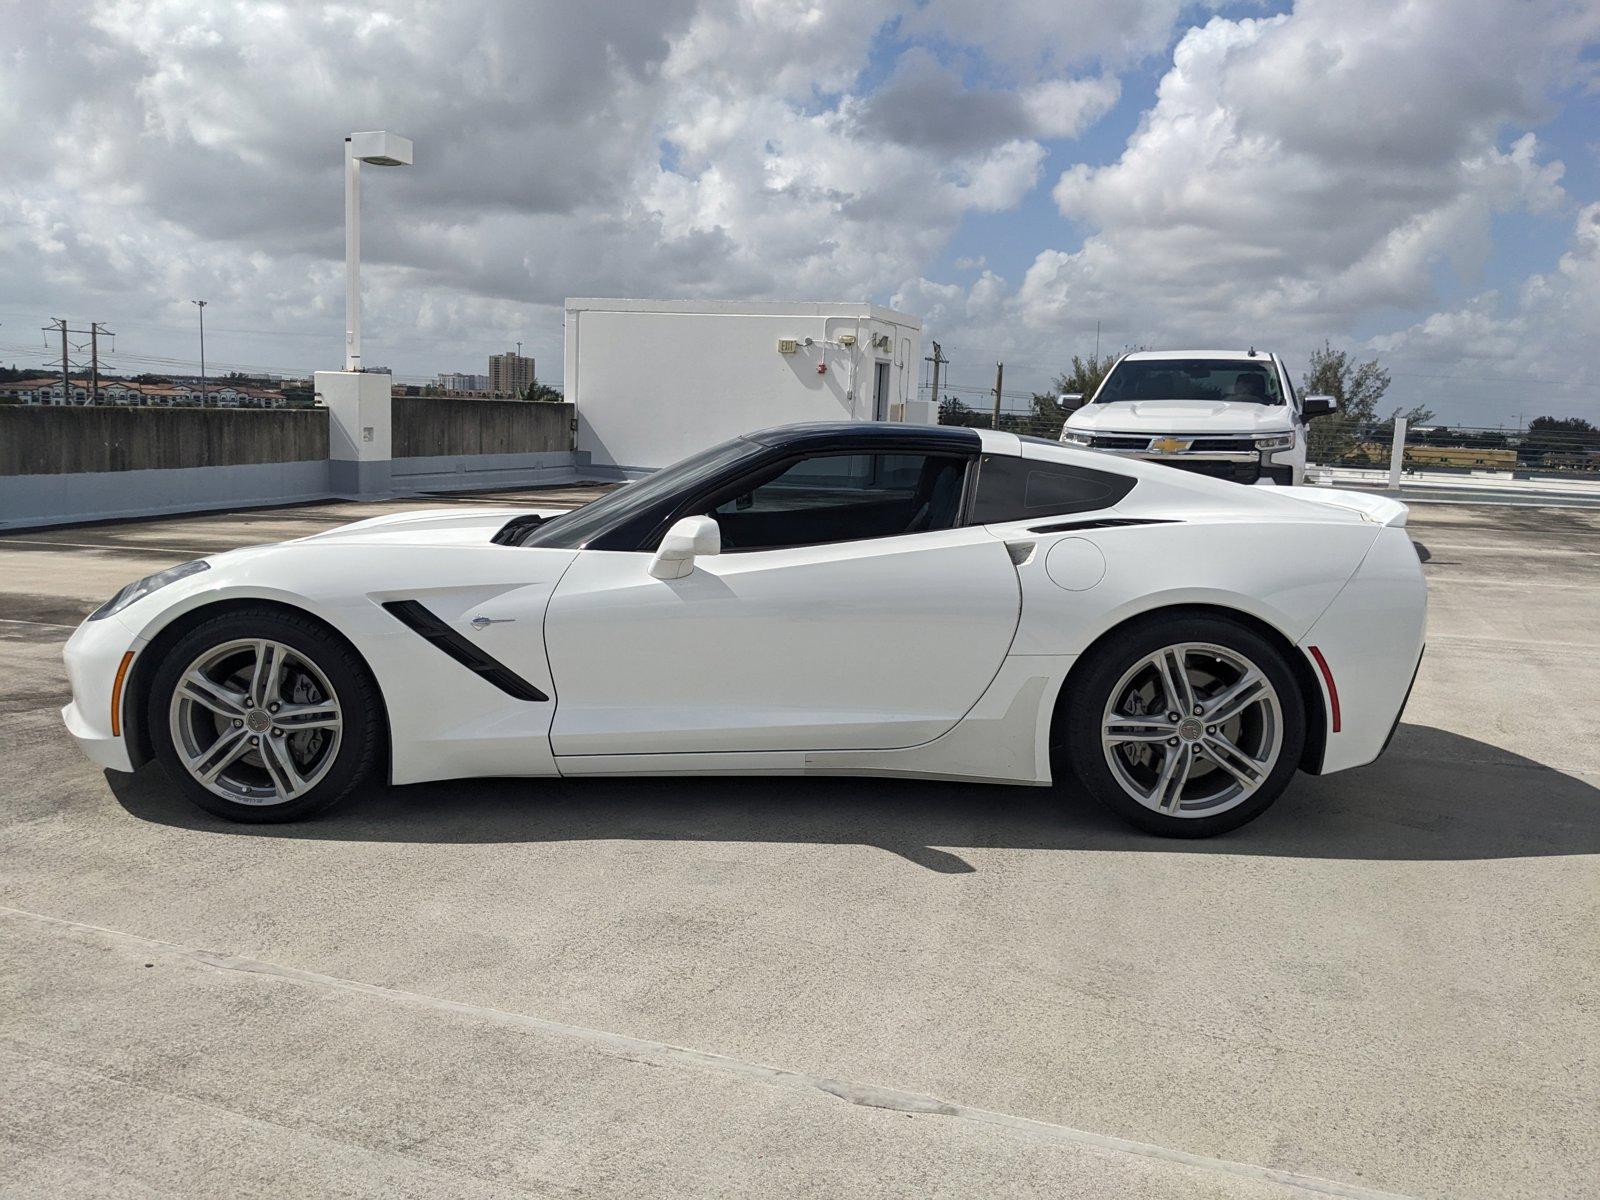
361,735
1089,692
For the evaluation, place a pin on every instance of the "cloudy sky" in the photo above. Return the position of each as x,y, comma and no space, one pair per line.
1414,178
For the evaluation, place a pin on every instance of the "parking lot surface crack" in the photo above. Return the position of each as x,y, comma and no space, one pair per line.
657,1053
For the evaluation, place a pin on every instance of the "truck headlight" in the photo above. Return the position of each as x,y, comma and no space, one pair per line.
140,588
1275,441
1073,437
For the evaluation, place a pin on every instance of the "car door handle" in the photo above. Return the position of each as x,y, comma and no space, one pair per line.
485,622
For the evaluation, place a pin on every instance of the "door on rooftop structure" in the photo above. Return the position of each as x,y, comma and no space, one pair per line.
880,392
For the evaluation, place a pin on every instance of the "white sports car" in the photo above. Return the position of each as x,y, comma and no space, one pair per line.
853,599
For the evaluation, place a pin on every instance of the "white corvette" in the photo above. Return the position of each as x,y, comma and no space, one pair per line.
866,599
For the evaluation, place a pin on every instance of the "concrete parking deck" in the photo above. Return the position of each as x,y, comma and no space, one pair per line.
820,987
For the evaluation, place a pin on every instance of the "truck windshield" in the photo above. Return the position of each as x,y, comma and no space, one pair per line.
1245,381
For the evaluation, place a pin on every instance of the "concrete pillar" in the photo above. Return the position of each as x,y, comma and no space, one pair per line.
359,430
1397,453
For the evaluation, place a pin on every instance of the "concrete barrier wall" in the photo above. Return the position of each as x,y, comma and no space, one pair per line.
60,466
488,472
445,426
35,501
71,441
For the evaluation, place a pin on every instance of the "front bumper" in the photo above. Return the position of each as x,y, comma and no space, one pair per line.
1241,468
1221,456
93,654
1251,470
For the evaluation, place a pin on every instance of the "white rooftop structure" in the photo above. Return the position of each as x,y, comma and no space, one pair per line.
657,380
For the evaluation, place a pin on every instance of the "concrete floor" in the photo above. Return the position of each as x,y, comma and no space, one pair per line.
820,987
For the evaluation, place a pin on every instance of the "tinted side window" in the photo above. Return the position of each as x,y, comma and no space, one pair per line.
840,498
1015,489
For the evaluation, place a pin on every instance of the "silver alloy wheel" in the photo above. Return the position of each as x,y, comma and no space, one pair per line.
1192,730
255,721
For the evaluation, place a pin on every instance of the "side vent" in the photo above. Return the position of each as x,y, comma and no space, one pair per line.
419,620
1100,523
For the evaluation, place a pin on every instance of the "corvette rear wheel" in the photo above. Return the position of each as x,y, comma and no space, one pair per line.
260,715
1185,726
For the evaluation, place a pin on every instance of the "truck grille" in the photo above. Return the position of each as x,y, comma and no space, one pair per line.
1126,441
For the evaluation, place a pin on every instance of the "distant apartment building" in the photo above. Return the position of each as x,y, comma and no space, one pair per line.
126,392
456,381
510,375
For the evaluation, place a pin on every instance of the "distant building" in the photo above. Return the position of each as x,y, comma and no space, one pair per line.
510,375
129,392
456,381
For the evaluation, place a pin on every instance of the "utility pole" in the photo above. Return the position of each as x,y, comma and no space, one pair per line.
999,378
94,360
1097,345
937,360
205,395
66,365
59,325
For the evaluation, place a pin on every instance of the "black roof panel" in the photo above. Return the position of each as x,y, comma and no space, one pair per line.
888,435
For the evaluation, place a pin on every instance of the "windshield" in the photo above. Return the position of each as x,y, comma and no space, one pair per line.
576,529
1240,381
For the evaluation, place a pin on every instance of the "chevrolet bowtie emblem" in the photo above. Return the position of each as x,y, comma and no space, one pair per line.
1170,445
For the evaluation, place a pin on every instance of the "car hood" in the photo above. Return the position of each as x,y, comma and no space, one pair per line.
1182,416
428,527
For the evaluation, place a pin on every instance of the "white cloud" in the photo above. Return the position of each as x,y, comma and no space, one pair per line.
1314,167
1296,176
1539,341
1065,107
1047,35
1304,174
163,149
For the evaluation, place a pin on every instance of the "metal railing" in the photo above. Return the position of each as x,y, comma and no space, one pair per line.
1341,442
1454,449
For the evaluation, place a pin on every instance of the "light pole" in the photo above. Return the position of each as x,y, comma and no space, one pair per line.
382,149
204,394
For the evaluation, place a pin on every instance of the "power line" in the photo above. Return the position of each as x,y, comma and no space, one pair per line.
59,325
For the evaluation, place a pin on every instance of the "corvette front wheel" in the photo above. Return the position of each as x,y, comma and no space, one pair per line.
1186,726
262,715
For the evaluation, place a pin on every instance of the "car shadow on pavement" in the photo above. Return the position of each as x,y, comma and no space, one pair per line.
1434,796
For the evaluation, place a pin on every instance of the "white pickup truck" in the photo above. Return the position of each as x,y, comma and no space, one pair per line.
1233,414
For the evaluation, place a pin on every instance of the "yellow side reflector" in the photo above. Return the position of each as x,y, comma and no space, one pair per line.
116,694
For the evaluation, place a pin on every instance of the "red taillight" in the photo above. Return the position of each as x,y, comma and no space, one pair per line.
116,694
1333,692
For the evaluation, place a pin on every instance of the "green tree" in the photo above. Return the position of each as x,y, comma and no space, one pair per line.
1084,379
542,393
1358,388
1086,375
1559,436
953,412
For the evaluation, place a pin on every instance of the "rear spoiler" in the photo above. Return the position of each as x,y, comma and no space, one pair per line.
1380,510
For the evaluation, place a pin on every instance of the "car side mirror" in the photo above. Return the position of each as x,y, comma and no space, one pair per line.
1071,401
1318,406
688,538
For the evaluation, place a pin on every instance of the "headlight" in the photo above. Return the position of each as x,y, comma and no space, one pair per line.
1073,438
1275,441
141,588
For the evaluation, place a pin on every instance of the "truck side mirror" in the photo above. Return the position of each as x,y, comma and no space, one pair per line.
1071,401
1318,406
